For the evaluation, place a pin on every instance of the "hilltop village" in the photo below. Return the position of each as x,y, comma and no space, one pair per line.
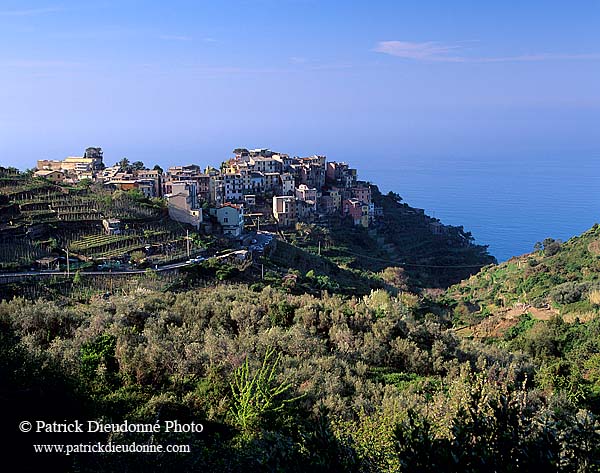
258,208
256,185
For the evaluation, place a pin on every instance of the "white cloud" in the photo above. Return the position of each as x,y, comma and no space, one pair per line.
170,37
30,11
429,51
438,52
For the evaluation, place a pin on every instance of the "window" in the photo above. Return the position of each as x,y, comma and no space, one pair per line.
225,219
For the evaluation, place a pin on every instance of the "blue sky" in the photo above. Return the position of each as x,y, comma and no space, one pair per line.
369,82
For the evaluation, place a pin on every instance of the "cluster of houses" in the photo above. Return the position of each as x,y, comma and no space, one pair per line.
295,189
72,169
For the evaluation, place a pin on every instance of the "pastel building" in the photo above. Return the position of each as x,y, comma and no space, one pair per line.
357,211
287,183
182,203
231,219
362,193
285,210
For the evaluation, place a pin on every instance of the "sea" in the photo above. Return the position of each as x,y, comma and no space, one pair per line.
507,204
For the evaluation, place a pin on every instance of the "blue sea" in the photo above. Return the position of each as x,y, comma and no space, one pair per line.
506,204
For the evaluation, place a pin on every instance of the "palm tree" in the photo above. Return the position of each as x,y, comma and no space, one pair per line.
124,164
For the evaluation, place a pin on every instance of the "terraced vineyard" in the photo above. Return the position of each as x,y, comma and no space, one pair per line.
101,246
33,191
39,219
100,241
33,196
15,253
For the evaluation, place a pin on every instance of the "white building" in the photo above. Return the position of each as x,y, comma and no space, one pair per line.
231,219
285,210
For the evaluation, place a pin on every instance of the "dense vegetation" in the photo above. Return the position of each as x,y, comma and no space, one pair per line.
544,305
288,383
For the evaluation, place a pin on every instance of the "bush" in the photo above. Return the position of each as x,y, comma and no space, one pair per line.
551,246
526,321
567,293
97,354
259,393
594,297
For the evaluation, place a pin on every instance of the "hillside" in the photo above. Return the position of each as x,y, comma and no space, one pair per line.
544,305
40,221
322,352
560,278
420,250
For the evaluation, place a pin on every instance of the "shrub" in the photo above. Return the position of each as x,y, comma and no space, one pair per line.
594,297
281,314
256,394
99,353
567,293
551,246
526,321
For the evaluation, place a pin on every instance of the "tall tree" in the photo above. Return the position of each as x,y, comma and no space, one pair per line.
124,164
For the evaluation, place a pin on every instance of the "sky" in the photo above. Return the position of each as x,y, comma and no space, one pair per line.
369,82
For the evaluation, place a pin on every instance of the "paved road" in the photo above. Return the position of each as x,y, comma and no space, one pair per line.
166,267
24,274
262,240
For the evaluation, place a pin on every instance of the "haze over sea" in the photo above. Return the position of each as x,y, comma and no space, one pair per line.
506,204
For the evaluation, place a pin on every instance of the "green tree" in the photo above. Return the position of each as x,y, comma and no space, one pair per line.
551,246
99,352
394,196
124,164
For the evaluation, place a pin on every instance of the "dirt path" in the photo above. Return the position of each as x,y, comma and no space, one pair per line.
495,326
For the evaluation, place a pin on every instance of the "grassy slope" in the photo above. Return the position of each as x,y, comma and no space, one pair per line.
545,306
563,280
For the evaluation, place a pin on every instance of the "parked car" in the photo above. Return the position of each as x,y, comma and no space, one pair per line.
198,259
